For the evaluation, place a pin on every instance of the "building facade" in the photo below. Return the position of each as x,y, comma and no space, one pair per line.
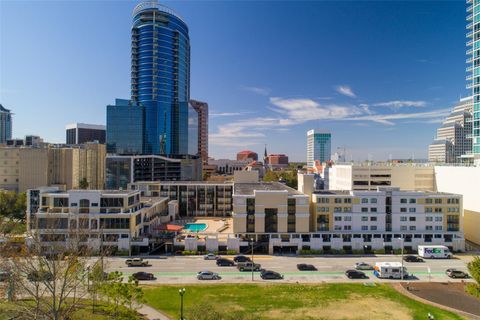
417,177
319,147
202,110
227,166
78,133
161,77
115,220
453,142
122,170
277,161
5,124
247,155
193,131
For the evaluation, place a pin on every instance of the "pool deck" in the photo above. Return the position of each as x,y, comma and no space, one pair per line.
214,225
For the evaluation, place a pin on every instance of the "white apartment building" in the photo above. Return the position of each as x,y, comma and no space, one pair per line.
359,176
119,220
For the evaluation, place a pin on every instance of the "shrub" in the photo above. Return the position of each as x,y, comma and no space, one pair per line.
122,253
231,252
379,251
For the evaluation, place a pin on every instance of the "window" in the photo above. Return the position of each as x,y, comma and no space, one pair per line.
338,218
438,228
250,205
364,218
347,200
364,200
412,200
364,209
403,228
403,218
347,227
428,201
413,228
428,210
403,209
403,200
373,209
373,218
347,209
364,228
428,219
412,219
412,210
428,228
337,227
337,209
373,200
438,201
347,218
338,200
438,219
438,210
373,228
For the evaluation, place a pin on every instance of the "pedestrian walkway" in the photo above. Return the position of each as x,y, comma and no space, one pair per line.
151,313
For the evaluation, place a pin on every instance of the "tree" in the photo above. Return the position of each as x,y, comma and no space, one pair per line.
270,176
474,269
13,205
83,183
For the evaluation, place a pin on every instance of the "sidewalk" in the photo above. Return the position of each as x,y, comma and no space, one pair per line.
151,313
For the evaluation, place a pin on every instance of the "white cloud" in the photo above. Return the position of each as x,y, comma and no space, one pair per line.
397,104
346,91
228,114
257,90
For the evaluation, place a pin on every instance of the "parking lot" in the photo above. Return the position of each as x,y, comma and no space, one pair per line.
183,269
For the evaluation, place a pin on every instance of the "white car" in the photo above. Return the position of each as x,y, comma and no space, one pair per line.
210,256
207,275
363,266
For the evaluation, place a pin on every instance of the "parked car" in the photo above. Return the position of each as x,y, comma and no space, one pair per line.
363,266
454,273
210,256
355,274
222,262
143,276
207,275
238,259
271,275
412,259
38,276
306,267
248,266
136,262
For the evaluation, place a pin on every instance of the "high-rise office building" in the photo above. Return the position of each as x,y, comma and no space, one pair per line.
5,124
453,142
473,70
193,131
319,146
202,110
78,133
161,77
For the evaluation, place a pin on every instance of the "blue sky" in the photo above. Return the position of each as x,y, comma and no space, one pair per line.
380,75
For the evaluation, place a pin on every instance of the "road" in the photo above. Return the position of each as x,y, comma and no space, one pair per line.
178,269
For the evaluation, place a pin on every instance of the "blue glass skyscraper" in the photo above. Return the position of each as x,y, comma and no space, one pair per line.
161,77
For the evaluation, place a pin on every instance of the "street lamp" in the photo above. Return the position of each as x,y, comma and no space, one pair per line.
253,263
181,292
401,271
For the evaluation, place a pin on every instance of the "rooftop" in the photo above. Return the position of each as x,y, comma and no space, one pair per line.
249,188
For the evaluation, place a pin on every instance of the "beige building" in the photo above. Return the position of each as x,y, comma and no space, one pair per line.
417,177
26,167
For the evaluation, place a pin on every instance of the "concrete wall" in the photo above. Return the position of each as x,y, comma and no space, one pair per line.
464,181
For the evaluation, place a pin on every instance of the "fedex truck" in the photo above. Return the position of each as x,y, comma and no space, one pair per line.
434,252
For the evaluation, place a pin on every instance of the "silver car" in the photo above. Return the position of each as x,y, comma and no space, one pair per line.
363,266
207,275
210,256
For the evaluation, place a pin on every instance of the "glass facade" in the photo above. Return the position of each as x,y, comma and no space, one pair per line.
319,147
161,77
193,130
125,126
5,124
473,35
117,172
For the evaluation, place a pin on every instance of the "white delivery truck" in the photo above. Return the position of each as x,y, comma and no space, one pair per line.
434,252
390,270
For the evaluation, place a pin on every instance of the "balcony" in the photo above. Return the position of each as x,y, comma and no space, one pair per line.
470,8
470,25
470,51
469,69
470,34
469,60
469,77
470,43
470,17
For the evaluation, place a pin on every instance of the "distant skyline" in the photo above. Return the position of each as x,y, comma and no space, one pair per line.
379,75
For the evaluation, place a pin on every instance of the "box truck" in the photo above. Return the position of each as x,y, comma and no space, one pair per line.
434,252
390,270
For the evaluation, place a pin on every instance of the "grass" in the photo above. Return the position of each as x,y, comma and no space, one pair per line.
8,310
292,301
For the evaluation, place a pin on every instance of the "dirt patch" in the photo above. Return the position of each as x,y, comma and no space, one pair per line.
452,295
348,309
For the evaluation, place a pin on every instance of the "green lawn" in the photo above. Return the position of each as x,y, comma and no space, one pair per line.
290,301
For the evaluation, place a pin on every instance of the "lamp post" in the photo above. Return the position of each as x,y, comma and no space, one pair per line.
401,270
253,263
181,292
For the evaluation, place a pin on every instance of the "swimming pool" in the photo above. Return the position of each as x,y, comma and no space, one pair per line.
195,227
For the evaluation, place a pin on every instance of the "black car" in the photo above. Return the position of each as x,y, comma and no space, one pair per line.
143,276
271,275
306,267
241,259
39,276
412,259
454,273
222,262
355,274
